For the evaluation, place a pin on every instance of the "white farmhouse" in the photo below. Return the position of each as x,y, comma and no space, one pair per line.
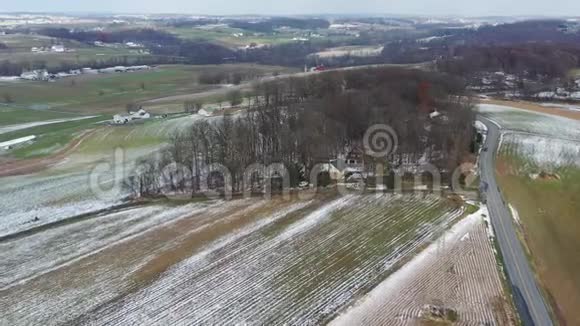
204,113
133,45
124,119
58,48
141,114
434,114
121,119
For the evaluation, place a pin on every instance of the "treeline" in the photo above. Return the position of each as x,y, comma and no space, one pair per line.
529,60
180,22
300,122
197,52
287,54
146,36
537,31
236,77
201,52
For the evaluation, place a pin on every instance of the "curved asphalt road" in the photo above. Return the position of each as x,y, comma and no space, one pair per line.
527,296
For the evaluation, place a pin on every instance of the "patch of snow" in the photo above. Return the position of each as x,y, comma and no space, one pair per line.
316,217
515,214
543,152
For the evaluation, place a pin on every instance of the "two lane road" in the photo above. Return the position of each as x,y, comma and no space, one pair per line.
527,296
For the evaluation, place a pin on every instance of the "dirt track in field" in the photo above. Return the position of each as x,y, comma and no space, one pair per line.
27,166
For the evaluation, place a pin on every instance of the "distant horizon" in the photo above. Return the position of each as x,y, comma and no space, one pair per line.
322,14
416,8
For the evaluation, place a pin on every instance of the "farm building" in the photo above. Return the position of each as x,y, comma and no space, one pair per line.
11,143
41,74
124,119
57,48
204,113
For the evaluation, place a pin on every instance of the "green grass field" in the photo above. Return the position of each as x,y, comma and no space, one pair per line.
549,212
110,93
10,115
98,94
51,138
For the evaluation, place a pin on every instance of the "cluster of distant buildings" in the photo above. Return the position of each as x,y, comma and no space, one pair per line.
54,49
44,75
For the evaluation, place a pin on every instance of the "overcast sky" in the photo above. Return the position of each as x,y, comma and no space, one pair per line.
287,7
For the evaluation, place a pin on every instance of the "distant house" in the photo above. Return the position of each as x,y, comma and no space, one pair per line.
40,74
354,160
121,119
204,113
318,68
439,116
333,172
434,114
141,114
57,48
350,163
133,45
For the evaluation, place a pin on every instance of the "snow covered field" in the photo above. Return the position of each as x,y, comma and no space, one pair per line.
354,51
48,198
65,189
243,261
546,141
457,272
531,122
542,152
569,107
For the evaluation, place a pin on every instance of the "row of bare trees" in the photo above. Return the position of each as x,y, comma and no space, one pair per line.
300,122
